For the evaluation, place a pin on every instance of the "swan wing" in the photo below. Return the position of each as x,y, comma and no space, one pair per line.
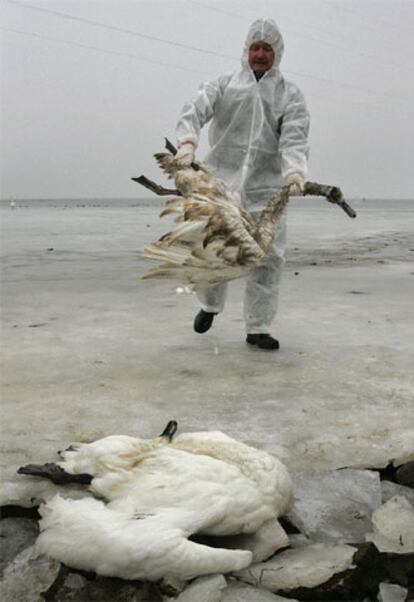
213,242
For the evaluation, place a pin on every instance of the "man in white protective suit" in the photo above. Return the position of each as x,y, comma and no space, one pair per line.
258,135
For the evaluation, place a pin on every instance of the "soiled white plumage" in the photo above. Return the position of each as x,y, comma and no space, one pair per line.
87,534
139,475
216,240
157,494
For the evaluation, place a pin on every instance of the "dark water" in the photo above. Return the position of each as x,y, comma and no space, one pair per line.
156,202
79,203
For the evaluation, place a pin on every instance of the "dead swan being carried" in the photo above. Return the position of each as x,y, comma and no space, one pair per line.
215,240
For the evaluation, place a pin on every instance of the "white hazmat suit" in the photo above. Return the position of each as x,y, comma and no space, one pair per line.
258,136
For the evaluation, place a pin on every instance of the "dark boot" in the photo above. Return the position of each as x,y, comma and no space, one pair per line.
263,341
203,320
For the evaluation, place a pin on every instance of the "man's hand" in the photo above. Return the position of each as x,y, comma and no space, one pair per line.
296,183
185,154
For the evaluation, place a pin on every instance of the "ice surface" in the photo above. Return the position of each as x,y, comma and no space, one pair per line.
308,566
90,350
16,534
335,506
204,589
390,592
240,592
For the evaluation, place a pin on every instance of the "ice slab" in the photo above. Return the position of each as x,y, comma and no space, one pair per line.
391,592
335,506
16,534
307,566
394,527
390,489
240,592
28,576
204,589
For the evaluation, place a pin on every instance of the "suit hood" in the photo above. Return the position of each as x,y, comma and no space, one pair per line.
267,31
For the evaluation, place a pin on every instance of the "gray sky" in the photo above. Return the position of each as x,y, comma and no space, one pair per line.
90,88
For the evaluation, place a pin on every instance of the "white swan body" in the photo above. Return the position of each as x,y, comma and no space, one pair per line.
138,475
157,494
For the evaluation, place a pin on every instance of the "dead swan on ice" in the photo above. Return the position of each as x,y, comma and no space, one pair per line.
216,240
158,492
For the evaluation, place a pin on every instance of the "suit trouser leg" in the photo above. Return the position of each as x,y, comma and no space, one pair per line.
212,299
262,286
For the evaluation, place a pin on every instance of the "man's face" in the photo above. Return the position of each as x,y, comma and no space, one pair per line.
261,56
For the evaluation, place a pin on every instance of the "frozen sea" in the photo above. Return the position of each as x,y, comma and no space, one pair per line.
89,349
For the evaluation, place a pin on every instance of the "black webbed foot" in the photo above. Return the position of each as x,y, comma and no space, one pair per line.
54,473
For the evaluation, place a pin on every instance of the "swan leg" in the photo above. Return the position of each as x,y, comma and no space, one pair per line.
54,473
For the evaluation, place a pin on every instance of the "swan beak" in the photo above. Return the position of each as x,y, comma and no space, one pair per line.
170,430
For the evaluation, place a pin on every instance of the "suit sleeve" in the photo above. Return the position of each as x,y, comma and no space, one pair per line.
198,111
293,143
